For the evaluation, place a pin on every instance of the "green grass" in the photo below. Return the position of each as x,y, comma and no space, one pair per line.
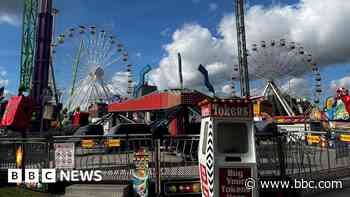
20,192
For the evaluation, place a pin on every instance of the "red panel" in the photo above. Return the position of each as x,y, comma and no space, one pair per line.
176,126
79,118
151,102
232,181
173,127
158,101
204,180
18,112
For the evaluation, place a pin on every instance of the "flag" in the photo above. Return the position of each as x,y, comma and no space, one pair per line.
206,78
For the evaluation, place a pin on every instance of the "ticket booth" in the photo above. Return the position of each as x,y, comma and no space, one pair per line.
227,156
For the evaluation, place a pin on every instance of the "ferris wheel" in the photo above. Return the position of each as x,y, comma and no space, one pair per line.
283,65
92,66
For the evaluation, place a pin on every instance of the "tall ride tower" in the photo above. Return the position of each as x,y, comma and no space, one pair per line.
43,51
30,13
242,50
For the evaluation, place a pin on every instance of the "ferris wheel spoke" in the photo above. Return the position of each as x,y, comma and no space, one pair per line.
288,59
107,52
89,45
72,99
93,36
100,45
103,51
113,62
106,48
296,71
281,60
285,63
89,51
111,56
257,71
88,93
262,56
107,94
98,93
95,42
85,99
109,90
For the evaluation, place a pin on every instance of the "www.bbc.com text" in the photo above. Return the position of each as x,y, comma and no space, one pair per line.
251,183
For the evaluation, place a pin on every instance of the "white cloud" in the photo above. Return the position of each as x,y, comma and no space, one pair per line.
297,87
4,81
213,6
343,82
227,89
197,46
119,83
10,11
166,32
320,27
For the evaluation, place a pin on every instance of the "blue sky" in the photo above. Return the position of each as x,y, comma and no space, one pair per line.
144,27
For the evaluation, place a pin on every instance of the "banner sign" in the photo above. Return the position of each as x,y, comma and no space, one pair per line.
238,108
64,155
232,182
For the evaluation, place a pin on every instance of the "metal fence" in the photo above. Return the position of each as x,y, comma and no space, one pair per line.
287,154
178,155
309,155
35,152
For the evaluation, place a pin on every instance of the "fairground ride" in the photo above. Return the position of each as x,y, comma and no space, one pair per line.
95,59
290,77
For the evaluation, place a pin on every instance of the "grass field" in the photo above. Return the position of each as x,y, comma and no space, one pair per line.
20,192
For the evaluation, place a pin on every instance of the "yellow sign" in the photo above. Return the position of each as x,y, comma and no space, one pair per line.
279,120
313,139
113,143
345,138
87,143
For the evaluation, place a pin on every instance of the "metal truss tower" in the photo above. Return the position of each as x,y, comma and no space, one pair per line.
30,13
41,69
242,50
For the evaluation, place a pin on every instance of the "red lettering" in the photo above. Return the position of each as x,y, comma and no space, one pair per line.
204,180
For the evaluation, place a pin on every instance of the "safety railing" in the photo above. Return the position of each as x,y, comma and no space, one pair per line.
295,154
33,151
304,154
179,157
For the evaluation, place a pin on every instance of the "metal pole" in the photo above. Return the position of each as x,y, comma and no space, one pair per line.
242,51
157,167
281,156
280,98
40,80
54,14
180,70
328,155
23,163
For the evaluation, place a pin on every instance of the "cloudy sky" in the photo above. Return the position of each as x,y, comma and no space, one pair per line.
204,32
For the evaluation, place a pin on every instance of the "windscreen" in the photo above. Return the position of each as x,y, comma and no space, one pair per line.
232,137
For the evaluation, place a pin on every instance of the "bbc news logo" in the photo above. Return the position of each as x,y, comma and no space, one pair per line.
51,176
